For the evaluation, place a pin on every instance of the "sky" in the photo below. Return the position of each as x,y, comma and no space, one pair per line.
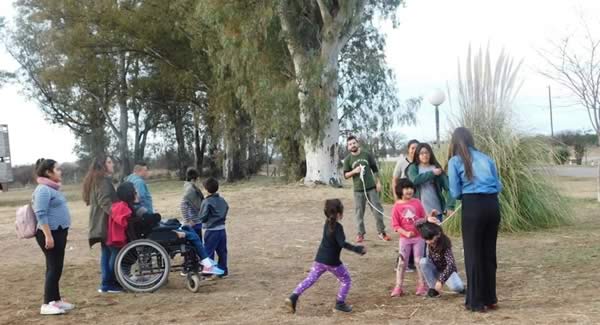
423,51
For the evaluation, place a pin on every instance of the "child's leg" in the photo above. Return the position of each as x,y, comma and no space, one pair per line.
315,273
405,248
195,240
429,271
210,243
418,249
221,250
341,273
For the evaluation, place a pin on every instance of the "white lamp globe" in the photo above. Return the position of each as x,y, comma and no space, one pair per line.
437,97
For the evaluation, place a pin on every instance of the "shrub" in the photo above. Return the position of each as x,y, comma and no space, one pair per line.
529,200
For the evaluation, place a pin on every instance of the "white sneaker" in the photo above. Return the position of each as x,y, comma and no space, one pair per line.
50,309
63,305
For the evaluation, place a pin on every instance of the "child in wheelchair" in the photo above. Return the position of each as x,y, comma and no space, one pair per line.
125,226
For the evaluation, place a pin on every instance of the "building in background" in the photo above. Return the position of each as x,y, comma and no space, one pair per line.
6,173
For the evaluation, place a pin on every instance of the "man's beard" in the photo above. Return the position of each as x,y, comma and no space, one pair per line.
354,149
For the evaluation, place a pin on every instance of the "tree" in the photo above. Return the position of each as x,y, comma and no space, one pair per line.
574,63
271,85
315,33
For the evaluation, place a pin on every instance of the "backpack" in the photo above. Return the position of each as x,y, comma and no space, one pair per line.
26,223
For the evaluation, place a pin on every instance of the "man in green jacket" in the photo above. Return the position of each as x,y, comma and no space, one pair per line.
366,187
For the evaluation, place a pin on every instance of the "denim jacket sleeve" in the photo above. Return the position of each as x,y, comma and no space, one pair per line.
451,203
495,173
454,179
41,204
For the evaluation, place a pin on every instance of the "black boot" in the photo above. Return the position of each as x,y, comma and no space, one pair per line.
342,306
432,293
291,302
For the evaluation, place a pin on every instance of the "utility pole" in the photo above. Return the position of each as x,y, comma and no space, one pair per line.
551,120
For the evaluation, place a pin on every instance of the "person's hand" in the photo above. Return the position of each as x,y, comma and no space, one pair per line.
364,250
356,171
378,187
434,213
439,286
409,234
449,212
437,171
180,234
49,242
433,220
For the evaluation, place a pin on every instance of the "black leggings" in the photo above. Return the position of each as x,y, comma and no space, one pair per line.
480,221
54,262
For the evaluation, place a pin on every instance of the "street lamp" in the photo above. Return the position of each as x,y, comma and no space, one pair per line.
437,98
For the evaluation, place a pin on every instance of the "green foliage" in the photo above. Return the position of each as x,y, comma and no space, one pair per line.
561,154
529,199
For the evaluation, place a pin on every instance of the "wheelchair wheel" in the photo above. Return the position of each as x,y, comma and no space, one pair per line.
142,266
193,282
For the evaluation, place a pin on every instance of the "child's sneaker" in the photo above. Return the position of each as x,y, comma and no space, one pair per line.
342,306
432,293
51,309
397,292
360,238
212,270
62,304
383,236
421,290
291,302
112,289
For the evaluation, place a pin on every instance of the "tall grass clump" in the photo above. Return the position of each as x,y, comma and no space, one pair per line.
529,199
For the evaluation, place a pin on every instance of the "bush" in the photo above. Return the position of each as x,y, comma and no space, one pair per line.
561,155
529,200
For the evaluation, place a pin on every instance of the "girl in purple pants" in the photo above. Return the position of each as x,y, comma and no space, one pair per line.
328,258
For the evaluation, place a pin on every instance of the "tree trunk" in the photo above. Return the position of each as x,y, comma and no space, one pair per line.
228,160
123,118
180,138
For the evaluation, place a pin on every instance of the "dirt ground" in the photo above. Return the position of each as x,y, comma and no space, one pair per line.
546,277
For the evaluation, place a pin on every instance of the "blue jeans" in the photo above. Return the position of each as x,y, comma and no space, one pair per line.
192,236
430,273
107,267
216,241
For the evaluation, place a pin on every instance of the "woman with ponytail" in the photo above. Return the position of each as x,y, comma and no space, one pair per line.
474,179
328,258
54,220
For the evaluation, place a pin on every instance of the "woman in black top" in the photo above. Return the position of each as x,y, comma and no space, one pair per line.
328,258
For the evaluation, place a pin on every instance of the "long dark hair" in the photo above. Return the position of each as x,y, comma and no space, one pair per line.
331,210
126,193
95,173
462,139
429,230
432,160
44,166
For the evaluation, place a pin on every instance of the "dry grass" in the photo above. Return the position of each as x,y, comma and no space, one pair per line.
543,277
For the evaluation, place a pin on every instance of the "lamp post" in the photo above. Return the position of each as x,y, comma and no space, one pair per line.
437,98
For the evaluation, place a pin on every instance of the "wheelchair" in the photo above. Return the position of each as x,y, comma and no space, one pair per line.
144,264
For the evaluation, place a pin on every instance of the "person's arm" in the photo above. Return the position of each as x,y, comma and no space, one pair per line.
495,173
340,238
106,196
348,171
41,206
413,174
375,170
454,180
186,212
204,211
451,203
448,270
